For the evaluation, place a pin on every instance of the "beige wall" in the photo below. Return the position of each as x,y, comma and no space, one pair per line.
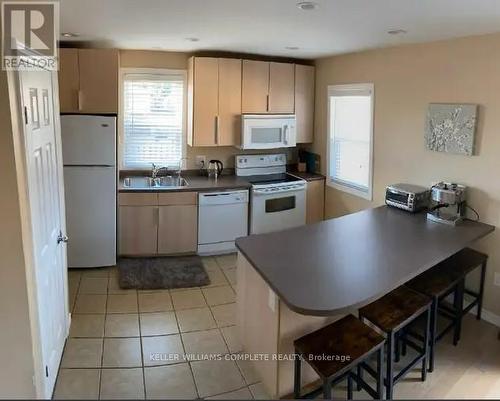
177,60
15,333
406,80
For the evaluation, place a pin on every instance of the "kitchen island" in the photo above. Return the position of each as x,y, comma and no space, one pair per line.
295,281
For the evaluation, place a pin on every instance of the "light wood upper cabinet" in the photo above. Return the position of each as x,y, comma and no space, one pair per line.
178,229
138,233
304,102
281,88
229,129
267,87
69,80
315,201
255,86
214,101
98,80
88,80
205,100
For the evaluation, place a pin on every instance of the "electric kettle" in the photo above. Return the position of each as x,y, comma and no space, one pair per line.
215,168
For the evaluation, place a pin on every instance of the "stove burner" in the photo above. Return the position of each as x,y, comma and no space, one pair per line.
270,179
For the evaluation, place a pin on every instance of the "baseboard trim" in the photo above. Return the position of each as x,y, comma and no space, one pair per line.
486,315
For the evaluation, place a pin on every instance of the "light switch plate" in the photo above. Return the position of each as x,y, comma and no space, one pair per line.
497,279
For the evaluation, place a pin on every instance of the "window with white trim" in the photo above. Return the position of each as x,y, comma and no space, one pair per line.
153,118
350,138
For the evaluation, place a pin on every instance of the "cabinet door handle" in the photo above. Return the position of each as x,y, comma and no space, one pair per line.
267,103
216,130
80,101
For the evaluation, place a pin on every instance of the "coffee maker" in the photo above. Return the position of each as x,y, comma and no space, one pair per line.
447,203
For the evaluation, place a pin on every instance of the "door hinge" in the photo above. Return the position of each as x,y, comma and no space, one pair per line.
46,371
25,115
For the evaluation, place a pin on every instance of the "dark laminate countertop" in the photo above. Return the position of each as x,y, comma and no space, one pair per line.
197,183
307,176
339,264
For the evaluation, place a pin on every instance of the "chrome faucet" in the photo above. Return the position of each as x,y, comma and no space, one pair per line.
155,170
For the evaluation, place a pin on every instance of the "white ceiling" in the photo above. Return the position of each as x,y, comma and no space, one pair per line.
269,26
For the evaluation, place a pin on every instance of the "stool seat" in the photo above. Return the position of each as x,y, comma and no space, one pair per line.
463,262
395,309
435,282
444,277
347,337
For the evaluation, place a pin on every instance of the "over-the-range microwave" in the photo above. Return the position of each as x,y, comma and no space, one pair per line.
267,131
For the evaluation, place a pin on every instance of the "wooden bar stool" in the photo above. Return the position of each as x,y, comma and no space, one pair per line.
334,353
463,263
391,314
448,277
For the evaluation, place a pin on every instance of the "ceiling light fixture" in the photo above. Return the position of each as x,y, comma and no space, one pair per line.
307,5
69,34
193,39
397,32
292,48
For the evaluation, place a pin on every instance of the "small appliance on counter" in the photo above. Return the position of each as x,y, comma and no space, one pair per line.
447,203
409,197
214,168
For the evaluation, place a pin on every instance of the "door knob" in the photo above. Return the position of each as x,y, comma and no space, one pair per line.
62,238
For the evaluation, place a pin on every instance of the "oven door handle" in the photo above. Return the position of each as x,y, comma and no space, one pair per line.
281,191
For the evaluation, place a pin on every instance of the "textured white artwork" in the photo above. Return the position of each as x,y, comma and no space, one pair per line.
451,128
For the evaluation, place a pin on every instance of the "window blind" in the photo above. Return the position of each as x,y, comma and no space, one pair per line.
153,120
350,138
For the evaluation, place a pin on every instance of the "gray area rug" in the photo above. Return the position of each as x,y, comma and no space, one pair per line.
162,272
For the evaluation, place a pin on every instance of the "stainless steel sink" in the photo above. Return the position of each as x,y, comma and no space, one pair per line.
159,182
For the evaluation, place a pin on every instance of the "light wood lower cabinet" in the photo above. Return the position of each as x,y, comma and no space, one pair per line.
315,201
158,223
178,229
138,230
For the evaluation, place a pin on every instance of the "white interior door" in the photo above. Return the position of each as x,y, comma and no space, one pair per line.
45,186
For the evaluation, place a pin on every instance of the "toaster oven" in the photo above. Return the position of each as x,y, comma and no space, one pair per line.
412,198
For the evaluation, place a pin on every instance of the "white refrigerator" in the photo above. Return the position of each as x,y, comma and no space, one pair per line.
89,158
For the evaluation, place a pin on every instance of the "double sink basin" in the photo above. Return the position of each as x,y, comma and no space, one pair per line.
164,182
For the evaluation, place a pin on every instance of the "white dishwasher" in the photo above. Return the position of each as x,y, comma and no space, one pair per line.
222,217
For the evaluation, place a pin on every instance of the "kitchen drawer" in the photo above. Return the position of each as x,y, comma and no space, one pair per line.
177,198
137,199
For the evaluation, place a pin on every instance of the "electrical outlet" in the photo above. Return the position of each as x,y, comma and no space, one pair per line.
497,279
201,161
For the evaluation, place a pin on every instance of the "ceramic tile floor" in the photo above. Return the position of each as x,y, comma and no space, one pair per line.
128,344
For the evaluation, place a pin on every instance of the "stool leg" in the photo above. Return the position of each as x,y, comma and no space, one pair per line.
481,291
380,373
459,307
426,343
360,375
327,390
359,369
403,342
296,376
389,377
349,386
433,332
397,345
